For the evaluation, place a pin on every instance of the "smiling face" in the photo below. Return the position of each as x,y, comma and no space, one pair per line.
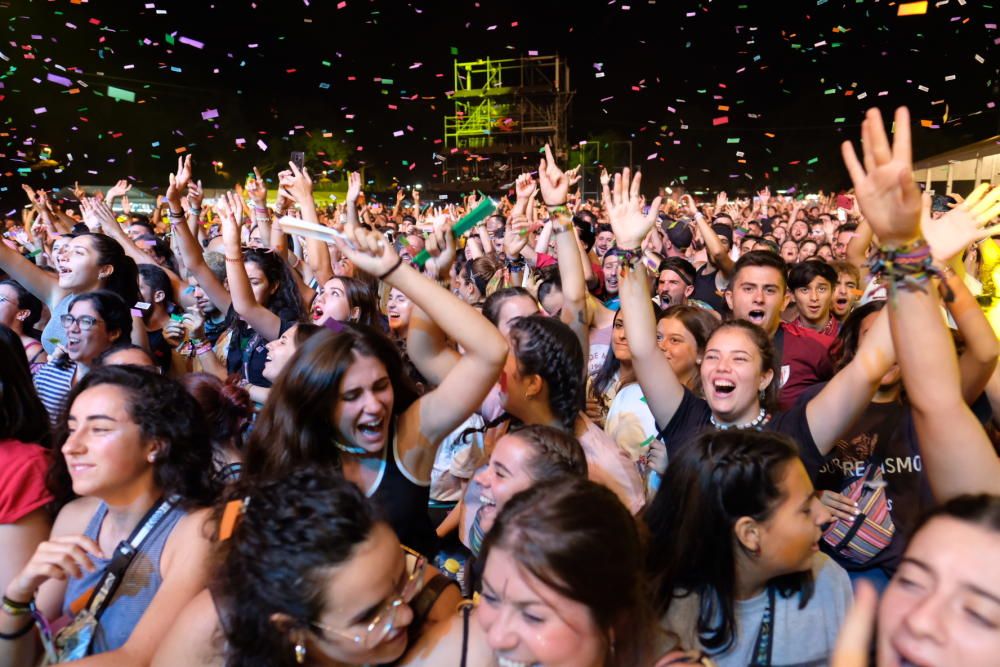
943,606
732,375
9,311
506,474
814,301
619,344
526,622
331,301
105,452
78,270
758,295
356,591
611,265
279,351
398,310
364,408
678,346
603,242
82,345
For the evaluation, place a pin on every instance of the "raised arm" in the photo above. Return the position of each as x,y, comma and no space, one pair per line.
554,184
39,282
957,454
846,396
462,391
263,321
948,237
713,244
662,389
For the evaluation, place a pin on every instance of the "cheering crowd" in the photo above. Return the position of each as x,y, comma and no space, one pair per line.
536,429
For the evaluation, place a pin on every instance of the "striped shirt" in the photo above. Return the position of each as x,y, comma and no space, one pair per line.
53,385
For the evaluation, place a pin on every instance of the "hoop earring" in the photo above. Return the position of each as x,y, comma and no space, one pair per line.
300,654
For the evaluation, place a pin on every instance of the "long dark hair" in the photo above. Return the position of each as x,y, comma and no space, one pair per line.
294,530
565,533
555,453
124,278
164,412
227,408
22,415
982,510
548,348
494,302
713,482
286,299
360,295
296,425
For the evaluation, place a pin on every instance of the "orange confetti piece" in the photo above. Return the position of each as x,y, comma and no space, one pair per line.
926,123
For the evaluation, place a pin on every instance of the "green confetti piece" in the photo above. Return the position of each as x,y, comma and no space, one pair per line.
733,140
813,160
170,38
121,94
454,50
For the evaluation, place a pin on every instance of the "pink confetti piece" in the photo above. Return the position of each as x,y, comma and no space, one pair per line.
40,110
209,114
191,42
261,145
721,120
61,80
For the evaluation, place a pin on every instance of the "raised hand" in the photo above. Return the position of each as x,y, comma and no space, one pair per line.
764,196
367,249
524,187
963,225
296,183
516,237
195,195
180,179
117,190
629,224
553,181
575,174
257,189
721,200
884,186
441,247
230,210
126,205
353,187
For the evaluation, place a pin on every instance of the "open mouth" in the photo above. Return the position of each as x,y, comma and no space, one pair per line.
72,344
317,313
507,662
757,316
487,501
724,387
371,429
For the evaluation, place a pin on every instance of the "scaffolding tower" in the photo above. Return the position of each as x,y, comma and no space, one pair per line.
505,112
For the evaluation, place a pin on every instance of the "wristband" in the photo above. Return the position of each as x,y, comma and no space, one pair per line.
17,635
559,227
202,348
558,208
15,608
399,262
237,260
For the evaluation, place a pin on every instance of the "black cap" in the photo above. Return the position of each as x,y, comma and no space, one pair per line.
677,231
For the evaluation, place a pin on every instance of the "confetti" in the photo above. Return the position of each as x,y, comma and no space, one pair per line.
912,8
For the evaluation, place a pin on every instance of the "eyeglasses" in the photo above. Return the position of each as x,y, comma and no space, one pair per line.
381,626
86,322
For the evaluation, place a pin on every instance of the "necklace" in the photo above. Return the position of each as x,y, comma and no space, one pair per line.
350,449
761,419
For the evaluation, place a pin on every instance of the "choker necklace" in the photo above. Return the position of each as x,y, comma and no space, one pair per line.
761,419
350,449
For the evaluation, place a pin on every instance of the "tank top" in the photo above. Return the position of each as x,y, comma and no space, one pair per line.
139,585
403,502
54,330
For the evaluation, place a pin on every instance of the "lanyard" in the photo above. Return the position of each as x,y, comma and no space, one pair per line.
765,636
122,558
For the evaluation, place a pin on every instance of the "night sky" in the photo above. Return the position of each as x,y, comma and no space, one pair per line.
796,76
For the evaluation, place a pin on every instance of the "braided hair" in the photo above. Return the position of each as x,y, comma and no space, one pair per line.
548,348
719,478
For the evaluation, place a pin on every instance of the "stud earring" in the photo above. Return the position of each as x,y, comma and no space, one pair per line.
300,654
151,458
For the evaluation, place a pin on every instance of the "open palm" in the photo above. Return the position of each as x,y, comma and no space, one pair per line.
963,225
888,196
629,224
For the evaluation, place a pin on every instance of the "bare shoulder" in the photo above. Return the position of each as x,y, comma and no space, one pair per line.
441,644
189,540
194,638
74,517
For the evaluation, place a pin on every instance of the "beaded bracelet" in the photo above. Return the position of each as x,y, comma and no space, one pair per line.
201,348
631,258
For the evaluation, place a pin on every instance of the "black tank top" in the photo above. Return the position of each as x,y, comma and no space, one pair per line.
404,505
